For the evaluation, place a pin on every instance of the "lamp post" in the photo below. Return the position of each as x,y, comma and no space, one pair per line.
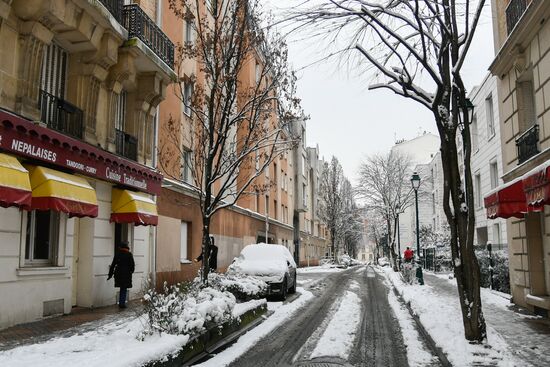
415,181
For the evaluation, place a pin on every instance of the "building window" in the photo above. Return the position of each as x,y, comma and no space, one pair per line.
183,242
304,166
258,71
526,105
186,173
275,210
474,134
187,96
120,112
493,170
54,71
212,6
275,175
490,117
189,32
42,237
477,190
433,203
304,195
496,234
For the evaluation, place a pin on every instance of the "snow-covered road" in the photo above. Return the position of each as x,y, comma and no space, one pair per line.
347,320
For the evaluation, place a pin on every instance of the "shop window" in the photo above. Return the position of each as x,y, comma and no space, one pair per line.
42,237
124,232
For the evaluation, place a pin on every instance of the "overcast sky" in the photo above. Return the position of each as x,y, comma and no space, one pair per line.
349,121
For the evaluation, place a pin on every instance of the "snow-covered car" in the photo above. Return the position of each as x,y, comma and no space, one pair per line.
271,263
355,262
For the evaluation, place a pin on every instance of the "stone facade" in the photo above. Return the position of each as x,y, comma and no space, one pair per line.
70,67
522,65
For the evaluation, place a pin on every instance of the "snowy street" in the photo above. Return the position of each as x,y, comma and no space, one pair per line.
350,320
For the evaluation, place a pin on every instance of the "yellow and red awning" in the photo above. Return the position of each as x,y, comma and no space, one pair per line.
15,186
59,191
133,207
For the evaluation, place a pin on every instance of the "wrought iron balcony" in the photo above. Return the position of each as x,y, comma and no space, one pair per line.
114,7
514,11
60,115
141,26
527,144
126,145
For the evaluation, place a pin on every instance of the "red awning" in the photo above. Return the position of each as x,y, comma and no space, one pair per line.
536,185
507,201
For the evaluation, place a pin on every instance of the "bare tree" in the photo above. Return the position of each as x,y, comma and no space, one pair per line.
243,100
417,49
331,203
384,184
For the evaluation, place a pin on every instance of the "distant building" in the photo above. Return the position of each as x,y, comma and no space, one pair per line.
421,150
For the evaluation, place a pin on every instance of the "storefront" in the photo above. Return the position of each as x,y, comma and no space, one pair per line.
524,202
64,205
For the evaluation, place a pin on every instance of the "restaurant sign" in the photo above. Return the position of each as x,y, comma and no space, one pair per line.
29,140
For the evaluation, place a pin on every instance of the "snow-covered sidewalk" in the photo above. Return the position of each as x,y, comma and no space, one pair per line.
112,344
436,305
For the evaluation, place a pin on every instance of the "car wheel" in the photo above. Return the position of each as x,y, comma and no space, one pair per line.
292,289
283,291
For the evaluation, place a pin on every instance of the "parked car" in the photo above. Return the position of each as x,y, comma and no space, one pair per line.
271,263
344,261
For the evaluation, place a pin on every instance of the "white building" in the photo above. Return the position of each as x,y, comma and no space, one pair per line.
421,150
486,161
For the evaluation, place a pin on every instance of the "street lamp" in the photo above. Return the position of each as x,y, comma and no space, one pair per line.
466,107
415,181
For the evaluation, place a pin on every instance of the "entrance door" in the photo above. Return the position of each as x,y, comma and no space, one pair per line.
76,254
533,224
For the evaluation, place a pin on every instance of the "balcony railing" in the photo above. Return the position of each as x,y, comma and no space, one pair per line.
126,145
114,7
514,11
60,115
141,26
527,144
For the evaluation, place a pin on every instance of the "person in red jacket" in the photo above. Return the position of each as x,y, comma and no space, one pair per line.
408,255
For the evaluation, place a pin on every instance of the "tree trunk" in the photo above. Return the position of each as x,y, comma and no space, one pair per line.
205,268
461,223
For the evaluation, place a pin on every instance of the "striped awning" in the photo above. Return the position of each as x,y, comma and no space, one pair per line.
15,186
63,192
133,207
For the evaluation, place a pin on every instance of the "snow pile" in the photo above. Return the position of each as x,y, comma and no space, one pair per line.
442,318
337,340
327,268
188,311
417,354
243,287
242,308
114,345
281,313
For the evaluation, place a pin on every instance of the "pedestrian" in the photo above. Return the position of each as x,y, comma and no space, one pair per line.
122,268
408,255
213,258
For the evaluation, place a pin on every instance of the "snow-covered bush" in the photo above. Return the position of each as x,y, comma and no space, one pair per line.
501,275
186,309
243,287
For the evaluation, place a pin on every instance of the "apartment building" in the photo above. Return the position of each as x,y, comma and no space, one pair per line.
80,82
486,162
265,215
522,66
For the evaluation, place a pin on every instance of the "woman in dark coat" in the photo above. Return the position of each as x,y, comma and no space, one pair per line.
122,267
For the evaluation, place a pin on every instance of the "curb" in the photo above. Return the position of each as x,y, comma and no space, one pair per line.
429,340
212,339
